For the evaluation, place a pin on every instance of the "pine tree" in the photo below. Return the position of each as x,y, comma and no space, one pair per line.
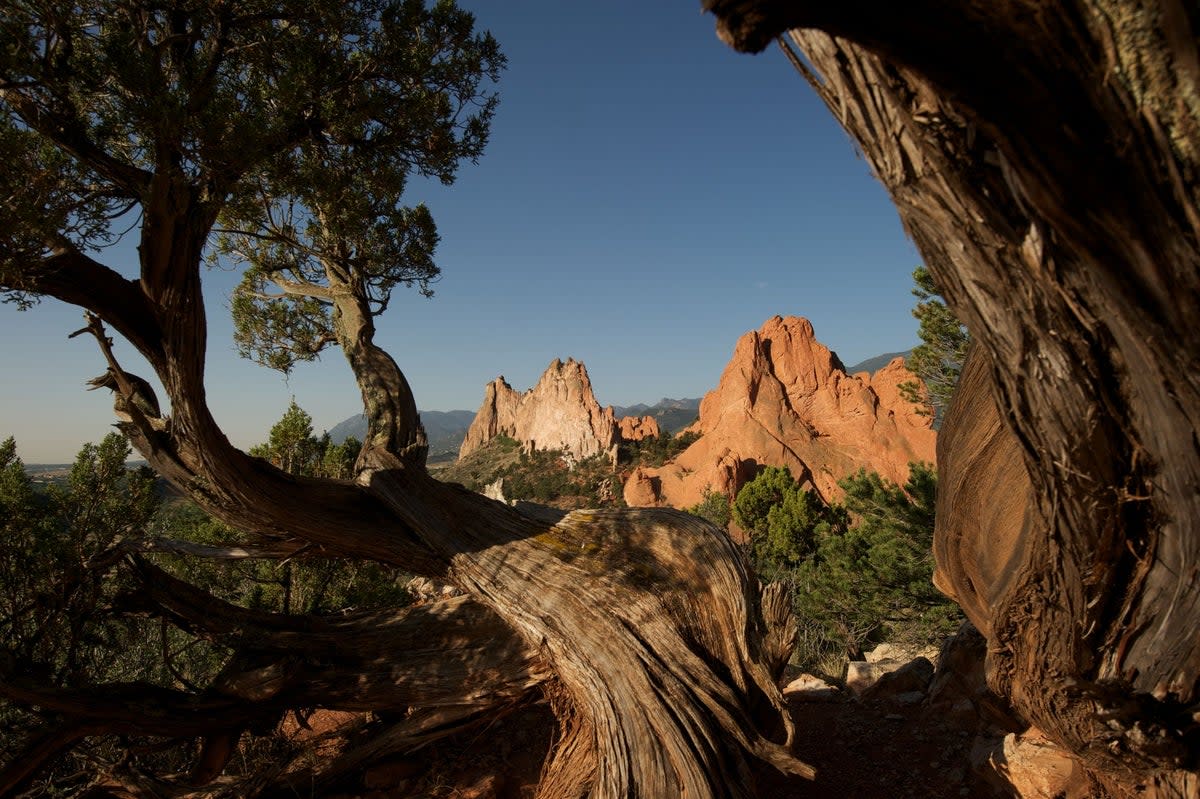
939,358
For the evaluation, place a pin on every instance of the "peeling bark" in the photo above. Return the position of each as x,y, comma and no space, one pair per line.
1044,160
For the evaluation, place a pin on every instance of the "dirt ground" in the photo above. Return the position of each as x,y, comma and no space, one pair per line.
861,750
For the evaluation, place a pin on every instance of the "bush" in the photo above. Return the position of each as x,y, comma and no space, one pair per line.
70,610
783,521
873,581
861,572
654,451
714,507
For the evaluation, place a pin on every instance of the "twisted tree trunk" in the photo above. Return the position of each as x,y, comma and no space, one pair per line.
1044,158
648,620
298,125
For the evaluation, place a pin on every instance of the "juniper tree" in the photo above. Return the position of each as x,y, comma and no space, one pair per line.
280,136
938,359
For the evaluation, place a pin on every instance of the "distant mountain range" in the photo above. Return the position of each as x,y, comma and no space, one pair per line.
672,415
873,365
445,430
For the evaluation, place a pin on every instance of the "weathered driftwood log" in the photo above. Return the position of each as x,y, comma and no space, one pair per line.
1044,158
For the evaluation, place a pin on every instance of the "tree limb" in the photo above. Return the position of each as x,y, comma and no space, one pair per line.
40,748
65,129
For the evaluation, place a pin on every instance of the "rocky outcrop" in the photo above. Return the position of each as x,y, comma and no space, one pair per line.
785,400
636,428
560,413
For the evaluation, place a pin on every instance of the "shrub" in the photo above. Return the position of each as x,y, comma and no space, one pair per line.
861,572
714,507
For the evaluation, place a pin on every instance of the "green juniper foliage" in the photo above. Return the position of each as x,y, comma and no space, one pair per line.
312,585
328,217
297,122
714,507
68,609
861,570
55,606
655,451
939,358
65,610
783,520
274,135
872,581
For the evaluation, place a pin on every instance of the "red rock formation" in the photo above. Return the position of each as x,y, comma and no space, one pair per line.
785,400
636,428
560,412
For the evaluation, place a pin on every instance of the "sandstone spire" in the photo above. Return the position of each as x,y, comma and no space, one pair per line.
560,412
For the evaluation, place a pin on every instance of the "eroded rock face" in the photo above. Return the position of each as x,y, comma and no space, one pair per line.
786,400
560,412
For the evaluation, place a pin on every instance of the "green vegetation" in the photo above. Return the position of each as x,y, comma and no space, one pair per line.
549,478
654,451
714,507
306,585
54,610
782,520
69,601
542,476
291,446
68,612
861,570
483,466
939,358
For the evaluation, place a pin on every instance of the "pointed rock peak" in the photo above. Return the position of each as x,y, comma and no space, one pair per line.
559,413
785,399
894,365
797,327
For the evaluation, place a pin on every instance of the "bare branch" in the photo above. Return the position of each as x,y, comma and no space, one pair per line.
280,550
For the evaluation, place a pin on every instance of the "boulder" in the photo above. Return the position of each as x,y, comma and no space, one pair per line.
901,652
642,488
861,675
808,688
636,428
1033,767
959,690
900,678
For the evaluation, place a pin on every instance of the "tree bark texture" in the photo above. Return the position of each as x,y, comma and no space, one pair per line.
644,627
1044,159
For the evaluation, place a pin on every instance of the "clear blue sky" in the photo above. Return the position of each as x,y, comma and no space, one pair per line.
648,196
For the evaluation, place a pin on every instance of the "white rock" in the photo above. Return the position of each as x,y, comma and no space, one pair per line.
808,688
861,675
901,653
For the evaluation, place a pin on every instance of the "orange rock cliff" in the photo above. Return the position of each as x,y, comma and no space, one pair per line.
785,399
